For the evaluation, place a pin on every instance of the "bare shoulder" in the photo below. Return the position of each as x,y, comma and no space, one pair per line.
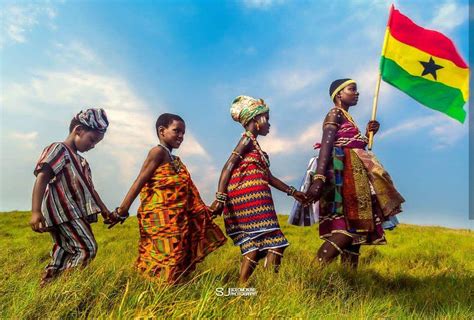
243,144
156,154
334,116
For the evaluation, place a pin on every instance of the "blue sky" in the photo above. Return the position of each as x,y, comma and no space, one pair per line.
140,59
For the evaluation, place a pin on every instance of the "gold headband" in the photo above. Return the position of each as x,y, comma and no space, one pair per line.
340,87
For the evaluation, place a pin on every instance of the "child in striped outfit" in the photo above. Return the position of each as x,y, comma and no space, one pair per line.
64,199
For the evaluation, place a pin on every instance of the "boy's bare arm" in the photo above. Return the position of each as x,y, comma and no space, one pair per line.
153,161
103,208
42,179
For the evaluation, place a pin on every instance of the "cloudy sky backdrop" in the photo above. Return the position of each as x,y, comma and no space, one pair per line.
142,58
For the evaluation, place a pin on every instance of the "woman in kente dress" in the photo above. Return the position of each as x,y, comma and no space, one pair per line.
244,192
357,198
176,228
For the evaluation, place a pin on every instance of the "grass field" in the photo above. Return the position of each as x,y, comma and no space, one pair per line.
423,273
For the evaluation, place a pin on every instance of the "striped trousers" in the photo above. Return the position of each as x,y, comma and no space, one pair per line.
73,245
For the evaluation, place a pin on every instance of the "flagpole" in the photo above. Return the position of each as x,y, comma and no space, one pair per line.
379,78
374,109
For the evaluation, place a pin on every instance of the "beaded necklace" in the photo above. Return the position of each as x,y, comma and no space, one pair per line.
348,117
257,146
174,162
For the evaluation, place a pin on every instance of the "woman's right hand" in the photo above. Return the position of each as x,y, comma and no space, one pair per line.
37,222
216,208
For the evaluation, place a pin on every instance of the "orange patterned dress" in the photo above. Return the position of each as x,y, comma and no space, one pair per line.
176,230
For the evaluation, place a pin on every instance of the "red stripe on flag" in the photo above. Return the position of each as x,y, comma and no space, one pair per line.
429,41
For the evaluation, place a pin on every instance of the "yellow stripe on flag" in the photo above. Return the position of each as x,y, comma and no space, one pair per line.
408,58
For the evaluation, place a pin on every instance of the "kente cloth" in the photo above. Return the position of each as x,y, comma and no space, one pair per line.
388,197
359,195
249,215
176,229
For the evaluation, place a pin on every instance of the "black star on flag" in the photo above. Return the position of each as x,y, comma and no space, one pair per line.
430,67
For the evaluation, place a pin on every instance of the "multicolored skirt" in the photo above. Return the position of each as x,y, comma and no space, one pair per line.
359,198
249,216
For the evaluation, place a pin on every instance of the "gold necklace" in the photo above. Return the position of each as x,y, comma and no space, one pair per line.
348,116
257,146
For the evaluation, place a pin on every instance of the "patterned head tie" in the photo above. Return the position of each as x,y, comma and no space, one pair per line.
245,108
338,85
95,119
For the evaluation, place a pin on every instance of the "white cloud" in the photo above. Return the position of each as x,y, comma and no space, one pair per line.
26,139
275,143
291,81
192,147
51,98
130,131
74,51
408,126
448,16
447,133
444,131
261,4
18,20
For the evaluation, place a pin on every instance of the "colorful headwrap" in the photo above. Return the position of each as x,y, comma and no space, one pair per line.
338,85
95,119
245,108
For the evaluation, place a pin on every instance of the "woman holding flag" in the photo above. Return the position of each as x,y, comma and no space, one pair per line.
356,195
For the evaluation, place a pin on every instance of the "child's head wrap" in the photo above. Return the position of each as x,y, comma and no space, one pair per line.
94,118
245,108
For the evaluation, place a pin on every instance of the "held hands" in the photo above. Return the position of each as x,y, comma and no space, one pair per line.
218,205
373,126
116,216
299,196
216,208
37,223
106,215
314,192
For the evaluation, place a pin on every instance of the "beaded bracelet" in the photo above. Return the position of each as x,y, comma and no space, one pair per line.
319,177
116,216
291,191
221,197
237,154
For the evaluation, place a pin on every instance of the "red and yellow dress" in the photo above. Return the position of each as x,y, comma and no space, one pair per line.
249,215
176,229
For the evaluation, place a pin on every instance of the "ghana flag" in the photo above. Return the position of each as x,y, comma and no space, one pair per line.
425,65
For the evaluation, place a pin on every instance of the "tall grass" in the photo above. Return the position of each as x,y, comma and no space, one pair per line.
423,273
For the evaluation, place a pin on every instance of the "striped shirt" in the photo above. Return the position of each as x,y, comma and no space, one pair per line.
68,195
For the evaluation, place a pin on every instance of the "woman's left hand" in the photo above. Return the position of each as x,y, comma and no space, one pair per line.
373,126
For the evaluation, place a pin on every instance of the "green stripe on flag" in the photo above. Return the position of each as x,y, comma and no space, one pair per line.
434,95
